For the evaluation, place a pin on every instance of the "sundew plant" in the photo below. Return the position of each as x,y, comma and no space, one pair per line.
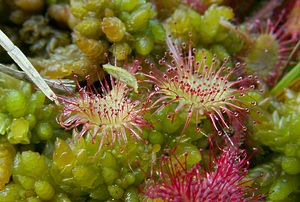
161,100
109,114
222,179
201,89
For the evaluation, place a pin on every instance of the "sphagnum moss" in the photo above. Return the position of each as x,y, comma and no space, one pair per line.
75,169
